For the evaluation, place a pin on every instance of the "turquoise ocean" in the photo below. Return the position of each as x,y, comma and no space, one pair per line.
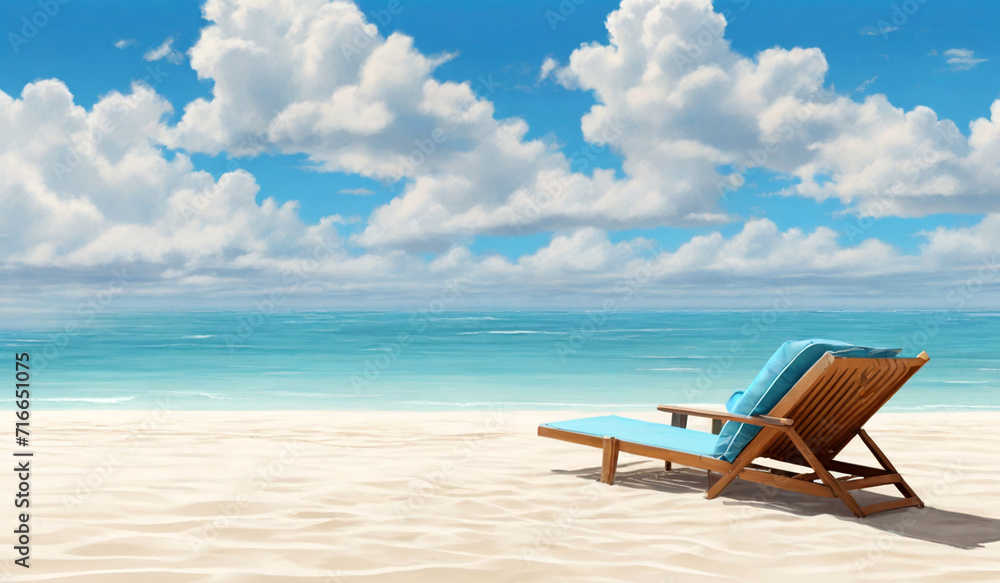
603,361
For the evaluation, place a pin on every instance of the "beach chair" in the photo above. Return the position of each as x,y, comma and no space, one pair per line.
806,423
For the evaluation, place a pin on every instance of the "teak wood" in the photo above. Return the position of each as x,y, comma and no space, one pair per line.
810,426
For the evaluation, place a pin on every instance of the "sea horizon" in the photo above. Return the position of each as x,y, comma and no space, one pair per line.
395,360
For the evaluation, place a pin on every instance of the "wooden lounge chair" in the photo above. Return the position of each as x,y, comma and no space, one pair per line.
809,427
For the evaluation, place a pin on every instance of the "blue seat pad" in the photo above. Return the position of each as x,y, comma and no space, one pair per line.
643,432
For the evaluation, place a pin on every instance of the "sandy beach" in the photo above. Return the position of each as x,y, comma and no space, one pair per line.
176,496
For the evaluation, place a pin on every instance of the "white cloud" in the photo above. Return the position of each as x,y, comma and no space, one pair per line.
674,101
548,66
357,191
124,43
882,30
80,189
353,101
670,78
84,190
165,51
864,85
962,59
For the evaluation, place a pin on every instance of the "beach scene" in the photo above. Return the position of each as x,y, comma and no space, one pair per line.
654,291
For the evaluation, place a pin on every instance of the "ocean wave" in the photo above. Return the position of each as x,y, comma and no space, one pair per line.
532,404
965,382
511,332
674,368
214,397
943,408
98,400
674,357
198,336
649,329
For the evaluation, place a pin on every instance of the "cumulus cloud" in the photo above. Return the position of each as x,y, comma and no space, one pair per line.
124,43
548,66
164,51
690,118
670,78
318,79
962,59
80,189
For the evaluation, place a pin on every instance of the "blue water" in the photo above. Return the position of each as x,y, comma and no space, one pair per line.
463,360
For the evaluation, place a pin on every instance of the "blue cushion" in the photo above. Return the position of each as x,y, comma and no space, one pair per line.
644,432
785,367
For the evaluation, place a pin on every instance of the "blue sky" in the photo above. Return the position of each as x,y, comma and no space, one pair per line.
498,48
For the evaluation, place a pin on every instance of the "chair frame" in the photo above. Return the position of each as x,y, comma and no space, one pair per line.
810,425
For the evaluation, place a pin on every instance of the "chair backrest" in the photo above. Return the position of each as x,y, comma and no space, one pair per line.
835,398
789,363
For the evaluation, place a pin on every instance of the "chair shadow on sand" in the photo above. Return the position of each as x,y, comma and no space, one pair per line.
934,525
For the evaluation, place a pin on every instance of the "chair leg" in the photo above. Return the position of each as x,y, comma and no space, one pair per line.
727,478
902,486
677,420
766,436
609,463
823,474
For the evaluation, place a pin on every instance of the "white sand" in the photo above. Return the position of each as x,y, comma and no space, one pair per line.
476,496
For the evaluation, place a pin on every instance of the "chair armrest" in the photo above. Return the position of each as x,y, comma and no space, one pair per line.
763,420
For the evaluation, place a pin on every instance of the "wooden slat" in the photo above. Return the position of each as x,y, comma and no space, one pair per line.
824,475
680,457
883,459
802,486
750,452
724,416
853,469
889,505
588,440
871,482
829,414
